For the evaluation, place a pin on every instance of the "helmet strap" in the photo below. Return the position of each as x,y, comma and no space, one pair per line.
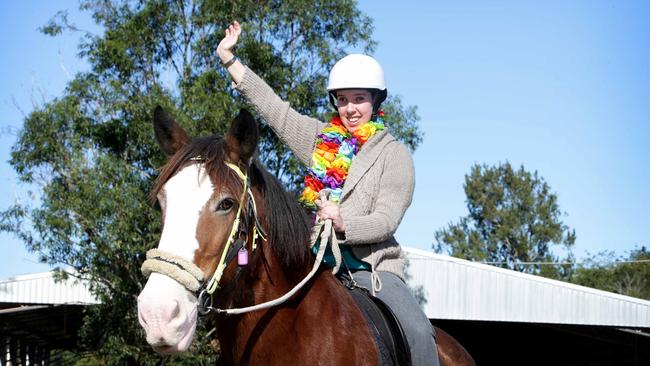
332,95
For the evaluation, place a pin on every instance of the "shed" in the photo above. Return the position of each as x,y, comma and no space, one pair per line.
507,317
37,315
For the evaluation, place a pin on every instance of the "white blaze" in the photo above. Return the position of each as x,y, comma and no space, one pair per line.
185,195
167,311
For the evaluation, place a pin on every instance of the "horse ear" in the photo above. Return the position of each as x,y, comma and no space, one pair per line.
170,135
242,137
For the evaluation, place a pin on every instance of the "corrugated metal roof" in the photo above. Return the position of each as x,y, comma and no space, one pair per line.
40,288
464,290
454,289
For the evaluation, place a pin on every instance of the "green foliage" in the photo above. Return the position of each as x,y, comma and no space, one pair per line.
90,154
625,275
513,218
54,26
402,122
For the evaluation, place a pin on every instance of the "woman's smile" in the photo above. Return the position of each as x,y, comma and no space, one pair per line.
354,106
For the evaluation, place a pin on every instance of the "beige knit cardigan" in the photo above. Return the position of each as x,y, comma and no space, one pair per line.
377,191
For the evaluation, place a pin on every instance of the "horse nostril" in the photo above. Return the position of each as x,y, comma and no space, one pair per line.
174,310
142,319
141,315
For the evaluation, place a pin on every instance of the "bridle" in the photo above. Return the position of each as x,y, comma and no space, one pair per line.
190,276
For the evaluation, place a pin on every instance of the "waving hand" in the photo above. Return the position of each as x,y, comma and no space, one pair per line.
226,54
229,41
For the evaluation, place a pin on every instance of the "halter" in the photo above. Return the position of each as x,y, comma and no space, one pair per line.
190,276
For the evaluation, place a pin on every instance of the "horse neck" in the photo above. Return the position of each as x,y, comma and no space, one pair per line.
269,279
263,281
266,281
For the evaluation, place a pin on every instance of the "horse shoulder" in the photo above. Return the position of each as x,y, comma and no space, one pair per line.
334,318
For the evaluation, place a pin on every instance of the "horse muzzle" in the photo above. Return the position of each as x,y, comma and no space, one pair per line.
168,314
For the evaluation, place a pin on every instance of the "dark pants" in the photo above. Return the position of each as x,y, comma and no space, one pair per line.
419,332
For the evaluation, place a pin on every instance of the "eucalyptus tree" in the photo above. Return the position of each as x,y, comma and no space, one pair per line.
514,220
89,154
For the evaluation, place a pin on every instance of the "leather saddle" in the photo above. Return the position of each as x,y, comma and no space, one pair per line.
384,326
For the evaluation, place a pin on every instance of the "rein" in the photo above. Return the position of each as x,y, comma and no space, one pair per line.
190,276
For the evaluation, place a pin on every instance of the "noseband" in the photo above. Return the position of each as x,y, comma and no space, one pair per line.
188,274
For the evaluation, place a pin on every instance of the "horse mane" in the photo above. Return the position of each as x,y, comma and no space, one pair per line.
286,223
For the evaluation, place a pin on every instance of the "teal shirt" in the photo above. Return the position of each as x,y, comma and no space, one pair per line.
349,260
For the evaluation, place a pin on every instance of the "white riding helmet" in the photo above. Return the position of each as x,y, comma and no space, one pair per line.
357,71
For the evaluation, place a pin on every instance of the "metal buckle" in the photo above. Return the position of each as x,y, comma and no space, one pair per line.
204,306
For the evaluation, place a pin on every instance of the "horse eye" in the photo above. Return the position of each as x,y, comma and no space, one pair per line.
225,204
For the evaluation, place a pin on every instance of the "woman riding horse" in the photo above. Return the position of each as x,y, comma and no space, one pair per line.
369,174
218,203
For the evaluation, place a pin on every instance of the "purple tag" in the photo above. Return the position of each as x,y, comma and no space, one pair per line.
242,257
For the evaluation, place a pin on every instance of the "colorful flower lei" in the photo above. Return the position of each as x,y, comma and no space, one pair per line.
335,149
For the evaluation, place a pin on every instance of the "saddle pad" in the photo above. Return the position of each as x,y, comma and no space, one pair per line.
384,324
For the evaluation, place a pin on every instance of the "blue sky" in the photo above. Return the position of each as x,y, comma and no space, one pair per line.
561,87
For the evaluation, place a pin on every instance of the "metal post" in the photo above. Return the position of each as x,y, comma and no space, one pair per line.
13,352
22,359
4,350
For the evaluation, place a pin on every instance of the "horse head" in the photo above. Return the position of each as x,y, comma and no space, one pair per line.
201,191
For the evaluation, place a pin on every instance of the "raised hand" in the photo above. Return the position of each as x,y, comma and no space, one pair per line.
224,50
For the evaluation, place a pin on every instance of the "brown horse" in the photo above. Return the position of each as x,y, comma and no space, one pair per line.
215,196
